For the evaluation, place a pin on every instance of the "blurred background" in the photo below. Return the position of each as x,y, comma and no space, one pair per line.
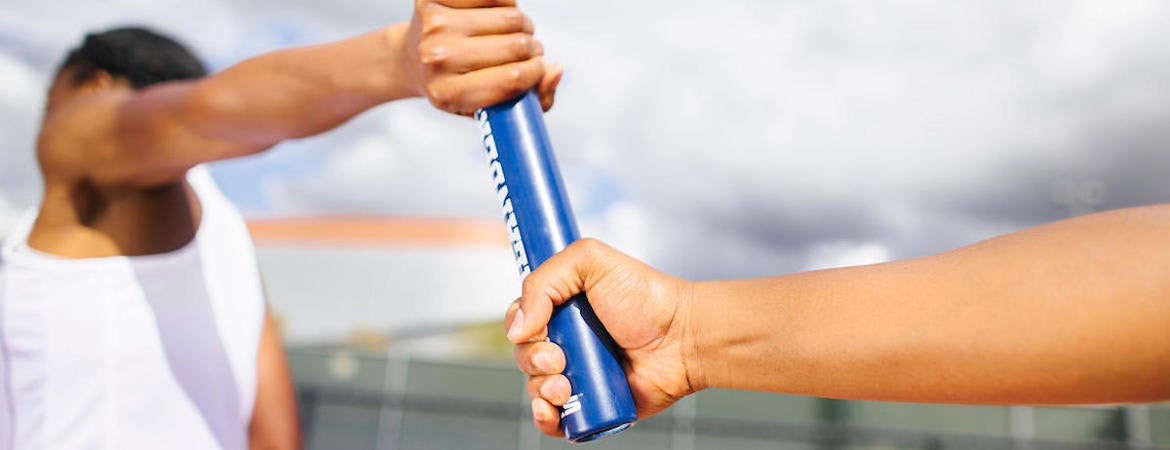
713,140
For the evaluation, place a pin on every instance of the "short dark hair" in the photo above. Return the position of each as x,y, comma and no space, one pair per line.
141,56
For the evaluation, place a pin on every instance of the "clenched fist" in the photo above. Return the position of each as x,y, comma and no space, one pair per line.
469,54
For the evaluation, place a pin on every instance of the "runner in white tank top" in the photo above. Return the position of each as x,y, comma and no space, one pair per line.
131,315
141,352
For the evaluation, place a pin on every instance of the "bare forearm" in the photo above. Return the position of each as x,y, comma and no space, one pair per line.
1072,312
301,91
153,136
462,56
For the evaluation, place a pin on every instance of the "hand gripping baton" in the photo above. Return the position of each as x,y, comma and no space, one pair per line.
540,224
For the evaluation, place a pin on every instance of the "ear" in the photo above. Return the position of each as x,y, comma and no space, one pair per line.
101,80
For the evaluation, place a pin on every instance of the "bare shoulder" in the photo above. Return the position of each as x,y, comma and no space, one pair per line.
123,137
75,138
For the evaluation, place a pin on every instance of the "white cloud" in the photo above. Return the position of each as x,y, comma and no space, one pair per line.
8,217
21,99
758,136
841,254
765,123
19,84
403,159
624,226
755,137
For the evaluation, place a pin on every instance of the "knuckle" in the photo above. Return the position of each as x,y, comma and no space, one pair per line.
431,54
513,81
434,23
514,19
592,249
522,45
531,364
530,285
510,315
440,97
589,246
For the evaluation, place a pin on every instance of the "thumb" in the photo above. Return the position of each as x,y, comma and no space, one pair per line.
547,88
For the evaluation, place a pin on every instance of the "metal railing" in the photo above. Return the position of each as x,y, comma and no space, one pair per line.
401,403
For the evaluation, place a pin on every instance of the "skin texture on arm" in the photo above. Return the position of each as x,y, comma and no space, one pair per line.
460,59
1073,312
154,135
275,424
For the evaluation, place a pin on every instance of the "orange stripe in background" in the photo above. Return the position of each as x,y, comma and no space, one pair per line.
378,231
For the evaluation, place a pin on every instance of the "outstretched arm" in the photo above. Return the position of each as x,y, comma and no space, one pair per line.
1072,312
461,54
1076,311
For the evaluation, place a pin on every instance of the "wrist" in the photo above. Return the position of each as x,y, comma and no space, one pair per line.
693,299
402,77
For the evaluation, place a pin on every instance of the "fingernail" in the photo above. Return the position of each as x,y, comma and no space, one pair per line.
517,327
560,75
546,389
543,360
536,415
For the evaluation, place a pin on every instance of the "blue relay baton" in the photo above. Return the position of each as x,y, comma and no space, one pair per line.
540,224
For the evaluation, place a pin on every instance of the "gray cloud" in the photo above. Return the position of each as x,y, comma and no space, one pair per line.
756,137
920,128
20,106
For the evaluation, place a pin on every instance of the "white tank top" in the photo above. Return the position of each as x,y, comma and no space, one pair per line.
123,353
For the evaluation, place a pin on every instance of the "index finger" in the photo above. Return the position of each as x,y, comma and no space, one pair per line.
554,282
511,316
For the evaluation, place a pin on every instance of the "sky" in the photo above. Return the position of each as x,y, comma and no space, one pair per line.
747,138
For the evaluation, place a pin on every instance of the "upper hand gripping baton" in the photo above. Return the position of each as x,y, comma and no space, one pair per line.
540,224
